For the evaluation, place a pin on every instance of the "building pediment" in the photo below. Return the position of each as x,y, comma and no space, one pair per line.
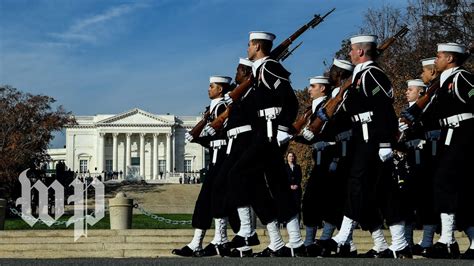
136,117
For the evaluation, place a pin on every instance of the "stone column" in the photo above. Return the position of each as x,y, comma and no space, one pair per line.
114,152
168,152
142,155
100,153
154,162
73,166
128,153
173,154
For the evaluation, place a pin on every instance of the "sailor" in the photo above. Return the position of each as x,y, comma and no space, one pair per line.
323,148
371,188
238,127
260,171
202,217
409,159
453,180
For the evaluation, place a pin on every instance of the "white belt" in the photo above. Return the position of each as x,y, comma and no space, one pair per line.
216,145
346,135
319,147
417,144
269,114
433,136
364,118
232,134
343,137
452,122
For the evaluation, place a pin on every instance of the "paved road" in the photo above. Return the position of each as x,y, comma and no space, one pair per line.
233,261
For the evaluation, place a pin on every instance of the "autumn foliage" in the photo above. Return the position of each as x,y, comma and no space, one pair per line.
27,122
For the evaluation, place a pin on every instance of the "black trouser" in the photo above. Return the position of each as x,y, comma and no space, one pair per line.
318,193
453,180
373,194
258,178
337,187
202,216
419,187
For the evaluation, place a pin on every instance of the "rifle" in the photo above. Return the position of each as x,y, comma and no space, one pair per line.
281,49
303,120
331,105
196,131
288,53
388,42
279,53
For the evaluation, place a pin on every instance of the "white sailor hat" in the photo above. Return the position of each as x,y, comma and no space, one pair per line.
245,62
220,79
416,83
363,39
261,35
428,61
319,80
344,64
451,47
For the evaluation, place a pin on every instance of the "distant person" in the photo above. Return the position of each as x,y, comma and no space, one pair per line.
294,177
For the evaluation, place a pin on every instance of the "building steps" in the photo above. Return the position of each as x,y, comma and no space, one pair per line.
133,243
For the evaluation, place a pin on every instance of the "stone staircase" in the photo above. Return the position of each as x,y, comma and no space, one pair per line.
130,243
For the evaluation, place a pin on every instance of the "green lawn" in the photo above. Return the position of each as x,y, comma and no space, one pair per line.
139,221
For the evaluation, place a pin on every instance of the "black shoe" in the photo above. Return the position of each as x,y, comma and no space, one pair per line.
314,250
344,251
419,250
401,254
327,247
267,252
208,251
239,241
297,252
468,255
224,249
235,253
444,251
213,250
371,254
184,251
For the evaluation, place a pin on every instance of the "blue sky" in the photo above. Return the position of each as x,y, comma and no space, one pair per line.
111,56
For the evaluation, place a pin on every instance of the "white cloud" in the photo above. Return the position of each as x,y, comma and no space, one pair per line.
85,30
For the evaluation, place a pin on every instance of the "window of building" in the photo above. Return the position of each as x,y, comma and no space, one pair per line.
135,160
187,166
162,166
83,166
108,165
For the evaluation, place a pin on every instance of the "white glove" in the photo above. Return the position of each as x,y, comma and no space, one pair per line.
188,137
307,134
385,154
282,137
227,99
402,126
209,130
